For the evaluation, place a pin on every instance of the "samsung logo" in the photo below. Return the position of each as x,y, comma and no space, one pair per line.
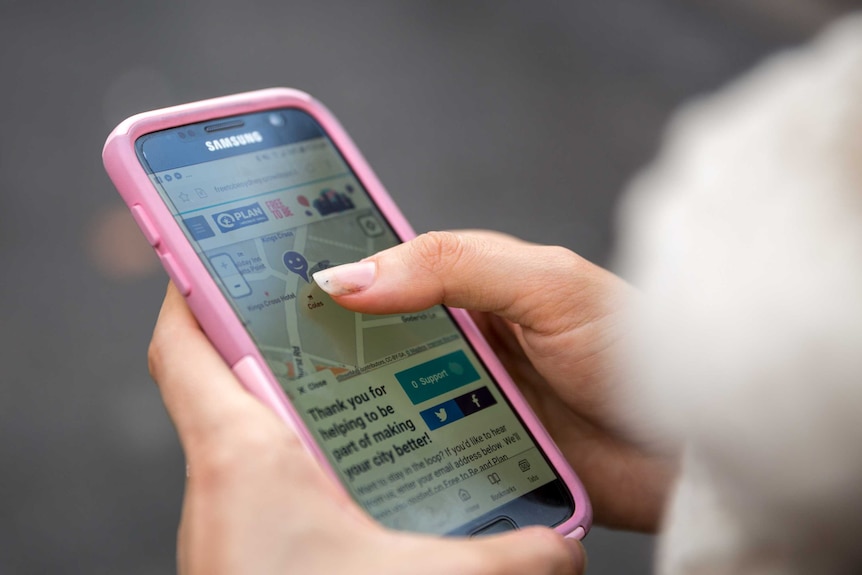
234,141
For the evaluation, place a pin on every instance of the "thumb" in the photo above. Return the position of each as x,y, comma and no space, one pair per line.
480,271
537,551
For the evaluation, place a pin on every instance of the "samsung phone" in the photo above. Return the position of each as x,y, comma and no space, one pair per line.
243,198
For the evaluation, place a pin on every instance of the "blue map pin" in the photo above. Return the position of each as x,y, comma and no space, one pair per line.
296,263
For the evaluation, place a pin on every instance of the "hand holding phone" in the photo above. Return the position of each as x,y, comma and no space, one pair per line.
554,320
257,502
244,198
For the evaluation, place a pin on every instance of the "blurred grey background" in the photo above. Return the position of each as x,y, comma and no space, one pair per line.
527,117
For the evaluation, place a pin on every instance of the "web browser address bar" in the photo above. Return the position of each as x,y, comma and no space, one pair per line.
258,181
213,184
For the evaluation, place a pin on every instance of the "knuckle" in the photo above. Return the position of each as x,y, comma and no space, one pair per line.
563,275
436,252
564,258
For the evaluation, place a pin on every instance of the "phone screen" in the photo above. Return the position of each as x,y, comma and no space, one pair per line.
401,405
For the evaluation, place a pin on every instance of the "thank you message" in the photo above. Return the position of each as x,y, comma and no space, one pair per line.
435,437
362,432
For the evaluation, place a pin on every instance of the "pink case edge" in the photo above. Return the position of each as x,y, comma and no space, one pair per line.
216,316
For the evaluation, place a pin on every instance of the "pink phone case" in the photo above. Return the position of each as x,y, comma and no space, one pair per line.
210,306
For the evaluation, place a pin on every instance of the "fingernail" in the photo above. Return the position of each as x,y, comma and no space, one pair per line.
346,279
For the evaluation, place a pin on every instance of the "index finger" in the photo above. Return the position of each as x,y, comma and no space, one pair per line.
525,283
200,392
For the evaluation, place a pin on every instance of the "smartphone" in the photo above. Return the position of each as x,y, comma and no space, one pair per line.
243,198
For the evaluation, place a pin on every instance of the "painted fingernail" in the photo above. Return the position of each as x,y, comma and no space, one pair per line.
346,279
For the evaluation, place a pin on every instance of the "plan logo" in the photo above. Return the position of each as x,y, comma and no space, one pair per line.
240,217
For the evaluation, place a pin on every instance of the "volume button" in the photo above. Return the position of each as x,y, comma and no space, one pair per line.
254,378
143,221
178,277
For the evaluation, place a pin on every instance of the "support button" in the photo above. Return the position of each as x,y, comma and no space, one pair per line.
432,378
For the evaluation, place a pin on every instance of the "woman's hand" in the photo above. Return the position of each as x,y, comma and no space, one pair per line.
257,503
553,319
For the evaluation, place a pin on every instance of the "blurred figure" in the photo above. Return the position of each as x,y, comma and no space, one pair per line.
746,237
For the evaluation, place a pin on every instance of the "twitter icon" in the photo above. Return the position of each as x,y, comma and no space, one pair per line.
441,414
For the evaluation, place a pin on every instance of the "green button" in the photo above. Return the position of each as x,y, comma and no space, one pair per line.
432,378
